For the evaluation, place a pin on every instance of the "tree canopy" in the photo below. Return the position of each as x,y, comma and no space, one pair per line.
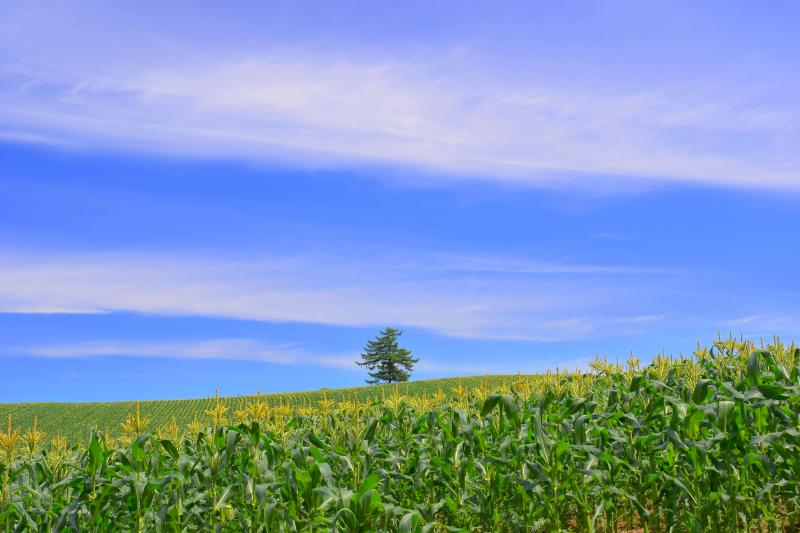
385,360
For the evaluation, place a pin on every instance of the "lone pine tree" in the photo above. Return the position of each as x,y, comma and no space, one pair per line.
385,360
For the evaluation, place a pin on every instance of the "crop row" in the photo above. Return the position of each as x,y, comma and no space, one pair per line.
75,420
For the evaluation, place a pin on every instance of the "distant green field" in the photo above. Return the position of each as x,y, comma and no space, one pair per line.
74,420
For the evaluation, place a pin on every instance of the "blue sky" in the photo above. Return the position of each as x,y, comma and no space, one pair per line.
194,198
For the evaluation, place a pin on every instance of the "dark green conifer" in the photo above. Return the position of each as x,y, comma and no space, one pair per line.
385,360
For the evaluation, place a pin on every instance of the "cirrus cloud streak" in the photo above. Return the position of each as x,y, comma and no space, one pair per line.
477,297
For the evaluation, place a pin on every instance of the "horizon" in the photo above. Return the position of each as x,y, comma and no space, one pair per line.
241,198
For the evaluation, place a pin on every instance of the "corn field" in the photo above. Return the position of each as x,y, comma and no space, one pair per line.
74,420
707,443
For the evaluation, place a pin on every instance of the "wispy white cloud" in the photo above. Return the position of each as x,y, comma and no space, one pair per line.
35,138
259,351
233,349
609,236
492,366
763,325
343,110
510,265
476,298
